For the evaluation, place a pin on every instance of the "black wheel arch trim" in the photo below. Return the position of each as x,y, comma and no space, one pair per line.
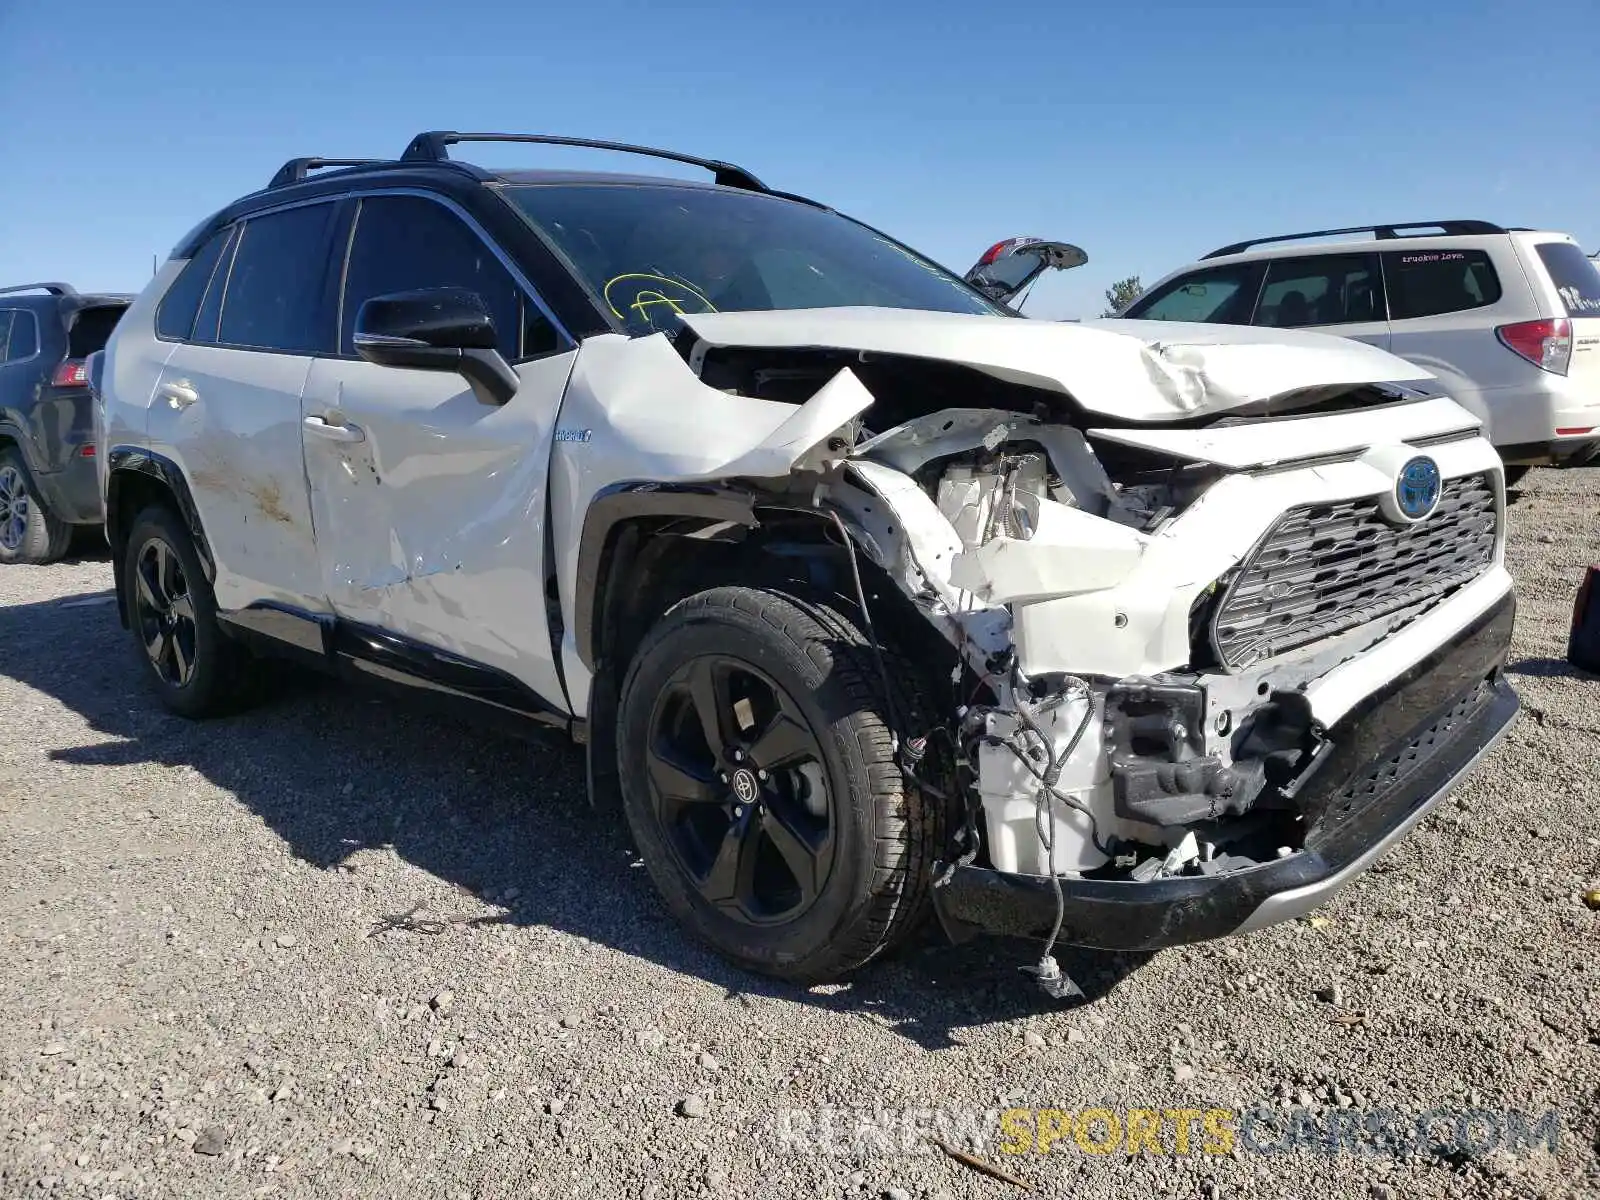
14,432
626,502
123,461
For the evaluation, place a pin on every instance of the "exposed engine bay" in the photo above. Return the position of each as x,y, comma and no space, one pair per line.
989,514
1114,778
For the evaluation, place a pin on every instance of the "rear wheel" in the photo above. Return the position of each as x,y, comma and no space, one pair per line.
759,783
196,670
29,532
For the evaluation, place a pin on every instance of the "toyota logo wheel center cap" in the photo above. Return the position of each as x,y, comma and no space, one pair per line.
745,786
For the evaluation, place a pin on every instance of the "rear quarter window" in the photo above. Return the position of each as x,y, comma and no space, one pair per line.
1430,283
1575,275
23,340
175,317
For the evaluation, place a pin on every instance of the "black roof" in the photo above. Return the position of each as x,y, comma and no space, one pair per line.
426,163
432,149
525,175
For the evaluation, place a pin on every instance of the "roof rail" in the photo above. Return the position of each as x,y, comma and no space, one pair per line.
1382,232
297,169
55,289
434,147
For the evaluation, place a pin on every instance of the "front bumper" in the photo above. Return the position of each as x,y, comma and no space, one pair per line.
1393,757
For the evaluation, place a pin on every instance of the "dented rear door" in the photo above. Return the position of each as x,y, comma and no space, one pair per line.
226,407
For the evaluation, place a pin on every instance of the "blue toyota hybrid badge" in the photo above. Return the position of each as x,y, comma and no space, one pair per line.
1417,488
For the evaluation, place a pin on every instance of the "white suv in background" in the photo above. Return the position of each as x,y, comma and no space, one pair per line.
1508,319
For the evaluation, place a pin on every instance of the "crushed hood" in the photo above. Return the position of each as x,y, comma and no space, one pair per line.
1126,370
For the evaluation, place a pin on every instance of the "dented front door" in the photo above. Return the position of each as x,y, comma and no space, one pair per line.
429,508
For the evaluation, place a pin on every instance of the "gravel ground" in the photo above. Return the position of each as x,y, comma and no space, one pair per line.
195,1006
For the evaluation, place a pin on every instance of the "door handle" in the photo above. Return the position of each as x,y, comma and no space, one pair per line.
334,433
179,393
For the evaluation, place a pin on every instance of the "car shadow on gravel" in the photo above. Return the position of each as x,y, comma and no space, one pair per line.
334,770
1548,668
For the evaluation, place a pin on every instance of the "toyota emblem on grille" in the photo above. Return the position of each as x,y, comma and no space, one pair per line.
1417,488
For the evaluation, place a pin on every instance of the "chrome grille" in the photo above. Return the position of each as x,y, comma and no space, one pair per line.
1327,568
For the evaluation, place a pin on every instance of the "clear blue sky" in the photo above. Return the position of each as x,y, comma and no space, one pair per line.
1148,133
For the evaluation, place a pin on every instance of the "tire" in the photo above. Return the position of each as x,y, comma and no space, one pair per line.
194,668
796,690
29,531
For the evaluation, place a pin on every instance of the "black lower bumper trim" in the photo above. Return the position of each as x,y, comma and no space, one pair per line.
1393,758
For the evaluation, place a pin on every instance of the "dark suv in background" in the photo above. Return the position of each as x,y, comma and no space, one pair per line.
47,475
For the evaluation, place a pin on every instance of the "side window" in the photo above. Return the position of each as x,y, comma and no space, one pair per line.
205,325
5,333
1325,289
1577,278
24,340
406,243
274,294
1221,296
175,317
1427,283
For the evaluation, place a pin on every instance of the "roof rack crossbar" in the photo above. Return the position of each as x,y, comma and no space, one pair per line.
1381,232
55,289
297,169
434,147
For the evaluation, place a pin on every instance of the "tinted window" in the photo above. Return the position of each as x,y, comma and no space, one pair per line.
24,336
1325,290
175,317
1427,283
92,329
5,333
404,243
275,289
1222,295
648,252
1576,277
205,325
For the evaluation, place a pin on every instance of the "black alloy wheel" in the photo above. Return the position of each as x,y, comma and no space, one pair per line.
164,612
759,782
195,668
738,784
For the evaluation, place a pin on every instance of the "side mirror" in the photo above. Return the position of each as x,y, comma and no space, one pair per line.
436,329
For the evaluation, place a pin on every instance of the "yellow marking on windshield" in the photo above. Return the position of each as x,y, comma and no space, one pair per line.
645,298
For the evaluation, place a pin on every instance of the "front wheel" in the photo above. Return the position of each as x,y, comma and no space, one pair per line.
759,783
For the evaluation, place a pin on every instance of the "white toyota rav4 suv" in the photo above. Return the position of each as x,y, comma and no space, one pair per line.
865,596
1507,320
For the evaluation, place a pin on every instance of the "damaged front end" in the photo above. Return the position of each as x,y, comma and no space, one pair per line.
1198,706
1219,638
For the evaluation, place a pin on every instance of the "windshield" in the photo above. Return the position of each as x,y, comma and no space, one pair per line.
647,252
